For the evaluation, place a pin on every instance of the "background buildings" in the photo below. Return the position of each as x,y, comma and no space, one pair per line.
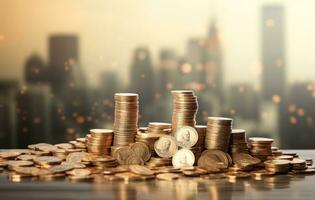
60,97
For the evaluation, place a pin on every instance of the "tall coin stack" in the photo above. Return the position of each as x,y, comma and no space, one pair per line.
218,133
238,142
260,147
185,107
126,118
200,145
99,141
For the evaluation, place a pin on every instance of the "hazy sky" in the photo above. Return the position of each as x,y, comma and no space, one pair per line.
109,30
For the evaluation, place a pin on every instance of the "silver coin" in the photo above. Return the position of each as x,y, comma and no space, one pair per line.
165,146
186,136
183,158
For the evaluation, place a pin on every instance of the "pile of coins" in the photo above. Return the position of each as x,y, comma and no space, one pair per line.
126,118
260,147
159,162
151,134
238,143
135,154
185,107
99,141
218,133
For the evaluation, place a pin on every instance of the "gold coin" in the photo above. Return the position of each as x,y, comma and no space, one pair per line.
141,170
167,176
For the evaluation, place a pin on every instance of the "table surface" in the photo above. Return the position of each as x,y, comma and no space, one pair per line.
276,187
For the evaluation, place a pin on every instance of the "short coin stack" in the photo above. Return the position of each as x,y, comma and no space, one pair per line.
277,166
238,142
151,134
260,147
99,141
218,133
185,107
159,128
126,118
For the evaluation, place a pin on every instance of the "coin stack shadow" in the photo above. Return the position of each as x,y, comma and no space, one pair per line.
200,145
185,107
238,143
126,118
218,133
99,141
260,147
151,134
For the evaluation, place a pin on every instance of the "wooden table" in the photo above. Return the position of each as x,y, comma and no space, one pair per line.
277,187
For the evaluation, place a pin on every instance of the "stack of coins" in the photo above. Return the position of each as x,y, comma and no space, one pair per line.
159,162
148,139
238,142
47,162
218,133
260,147
99,141
126,118
277,166
104,162
185,107
159,128
200,145
298,164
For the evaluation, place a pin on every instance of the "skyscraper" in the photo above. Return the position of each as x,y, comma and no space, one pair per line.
64,68
35,70
273,52
214,62
8,113
142,80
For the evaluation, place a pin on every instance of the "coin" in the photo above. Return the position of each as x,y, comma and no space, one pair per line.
140,149
186,136
9,154
167,176
77,157
141,170
51,160
79,172
183,158
26,157
214,159
122,155
60,168
27,170
165,146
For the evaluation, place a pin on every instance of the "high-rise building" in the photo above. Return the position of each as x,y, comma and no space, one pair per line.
273,52
214,62
64,69
244,101
142,81
167,74
298,117
8,113
34,115
35,70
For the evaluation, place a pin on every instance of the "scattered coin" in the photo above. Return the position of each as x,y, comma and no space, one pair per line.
141,170
167,176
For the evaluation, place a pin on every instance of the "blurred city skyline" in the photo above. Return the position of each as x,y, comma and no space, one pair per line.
109,31
242,60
